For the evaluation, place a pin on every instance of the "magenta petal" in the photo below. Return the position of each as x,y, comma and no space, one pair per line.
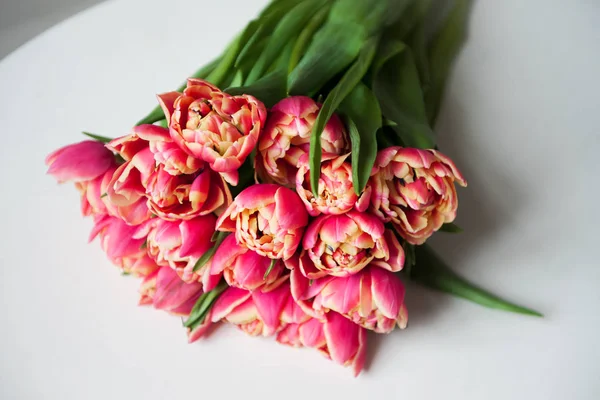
270,305
172,292
228,301
388,292
342,337
196,234
80,162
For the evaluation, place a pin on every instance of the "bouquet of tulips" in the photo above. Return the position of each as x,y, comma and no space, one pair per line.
289,187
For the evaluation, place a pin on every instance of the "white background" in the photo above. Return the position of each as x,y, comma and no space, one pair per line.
521,119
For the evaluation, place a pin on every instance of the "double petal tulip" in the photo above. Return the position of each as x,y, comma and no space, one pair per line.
342,245
123,245
286,138
157,177
372,298
214,126
336,337
164,290
186,196
258,312
414,190
244,268
180,245
80,162
335,192
266,218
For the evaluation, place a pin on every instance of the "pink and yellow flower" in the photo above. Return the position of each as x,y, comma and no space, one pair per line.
214,126
414,190
266,218
164,290
258,312
335,337
80,162
335,192
372,298
162,179
244,268
180,244
286,138
342,245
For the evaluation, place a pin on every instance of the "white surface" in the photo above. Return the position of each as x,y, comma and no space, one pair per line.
521,120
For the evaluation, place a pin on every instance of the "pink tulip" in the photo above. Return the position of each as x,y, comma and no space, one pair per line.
163,149
213,126
258,312
342,245
414,190
80,162
155,179
372,298
244,268
164,290
180,245
336,192
336,337
266,218
123,245
286,138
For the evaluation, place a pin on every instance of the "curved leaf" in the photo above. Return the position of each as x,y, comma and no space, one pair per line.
451,228
98,138
397,87
203,306
431,271
348,82
306,36
332,49
364,120
269,89
288,27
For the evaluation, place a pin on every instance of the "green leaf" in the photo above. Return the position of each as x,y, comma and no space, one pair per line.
250,36
288,27
99,138
397,87
206,257
306,36
371,15
332,49
451,228
417,43
404,19
398,9
223,69
203,306
431,271
442,52
364,119
268,271
348,82
410,258
269,89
